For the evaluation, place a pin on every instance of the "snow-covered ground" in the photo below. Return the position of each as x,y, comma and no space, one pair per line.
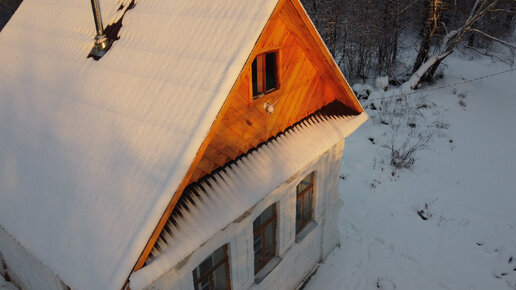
4,285
466,176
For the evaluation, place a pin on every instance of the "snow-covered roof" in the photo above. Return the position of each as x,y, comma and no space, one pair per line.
203,211
91,152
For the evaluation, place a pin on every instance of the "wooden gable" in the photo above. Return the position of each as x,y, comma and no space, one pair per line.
308,80
306,83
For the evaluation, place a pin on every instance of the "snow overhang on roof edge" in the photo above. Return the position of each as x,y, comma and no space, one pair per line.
288,153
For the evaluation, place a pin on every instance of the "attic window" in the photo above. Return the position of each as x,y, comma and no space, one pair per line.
265,74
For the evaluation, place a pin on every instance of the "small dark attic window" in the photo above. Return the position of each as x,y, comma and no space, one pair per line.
265,74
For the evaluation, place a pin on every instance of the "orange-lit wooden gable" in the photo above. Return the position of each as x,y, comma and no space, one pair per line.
308,79
306,83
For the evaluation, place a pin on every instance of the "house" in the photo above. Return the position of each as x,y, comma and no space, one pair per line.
202,151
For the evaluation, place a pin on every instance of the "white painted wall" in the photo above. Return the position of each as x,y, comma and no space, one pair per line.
25,271
298,258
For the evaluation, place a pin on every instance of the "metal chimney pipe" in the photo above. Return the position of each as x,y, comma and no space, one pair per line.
101,37
102,43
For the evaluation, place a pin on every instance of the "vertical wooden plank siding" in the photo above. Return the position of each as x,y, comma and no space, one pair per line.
307,81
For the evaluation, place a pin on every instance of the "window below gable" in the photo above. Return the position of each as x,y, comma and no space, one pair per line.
304,202
264,229
265,74
213,272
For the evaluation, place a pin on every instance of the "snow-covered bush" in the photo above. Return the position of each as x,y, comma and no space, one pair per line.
4,277
385,283
3,266
362,91
409,131
382,83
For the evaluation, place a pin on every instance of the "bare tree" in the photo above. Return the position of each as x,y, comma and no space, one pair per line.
364,36
395,20
451,39
431,25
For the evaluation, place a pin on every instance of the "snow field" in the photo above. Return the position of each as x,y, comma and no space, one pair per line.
465,175
4,285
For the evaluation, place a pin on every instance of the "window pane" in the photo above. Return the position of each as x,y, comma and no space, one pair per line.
306,182
263,218
257,223
268,213
258,243
264,237
258,240
269,240
218,255
203,285
255,78
270,74
298,214
308,217
258,262
206,271
220,279
258,251
205,266
308,204
309,178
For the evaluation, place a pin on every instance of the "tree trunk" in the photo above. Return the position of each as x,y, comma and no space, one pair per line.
471,38
450,41
429,76
430,26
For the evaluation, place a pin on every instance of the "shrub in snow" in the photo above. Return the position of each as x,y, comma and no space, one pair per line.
385,284
505,267
362,91
462,96
423,213
5,284
382,83
408,129
3,268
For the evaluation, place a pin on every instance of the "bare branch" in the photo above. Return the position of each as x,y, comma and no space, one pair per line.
445,28
494,38
502,10
408,6
485,52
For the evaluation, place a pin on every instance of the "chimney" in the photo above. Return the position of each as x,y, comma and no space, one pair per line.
102,43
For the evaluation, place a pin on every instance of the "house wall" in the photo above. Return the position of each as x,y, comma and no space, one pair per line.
23,269
298,258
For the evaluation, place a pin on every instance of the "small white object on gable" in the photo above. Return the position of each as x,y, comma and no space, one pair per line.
269,108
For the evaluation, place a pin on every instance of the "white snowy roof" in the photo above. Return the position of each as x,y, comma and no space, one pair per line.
242,184
91,152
